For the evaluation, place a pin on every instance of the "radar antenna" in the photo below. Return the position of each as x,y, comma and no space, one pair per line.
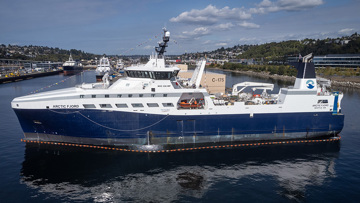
162,45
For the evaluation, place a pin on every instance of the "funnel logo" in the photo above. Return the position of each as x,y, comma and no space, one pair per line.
310,84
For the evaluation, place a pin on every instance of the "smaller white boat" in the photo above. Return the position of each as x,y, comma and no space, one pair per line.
119,65
103,68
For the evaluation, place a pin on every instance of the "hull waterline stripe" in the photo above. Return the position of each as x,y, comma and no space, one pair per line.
184,149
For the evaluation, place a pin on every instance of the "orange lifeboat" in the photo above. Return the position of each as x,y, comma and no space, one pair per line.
186,105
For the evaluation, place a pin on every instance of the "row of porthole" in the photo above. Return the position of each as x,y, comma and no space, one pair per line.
120,95
124,105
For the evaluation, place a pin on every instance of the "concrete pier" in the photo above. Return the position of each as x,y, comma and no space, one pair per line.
28,76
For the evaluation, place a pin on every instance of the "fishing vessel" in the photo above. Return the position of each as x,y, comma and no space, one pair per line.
103,68
152,109
71,66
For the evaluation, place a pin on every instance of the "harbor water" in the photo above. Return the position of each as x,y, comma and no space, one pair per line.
303,172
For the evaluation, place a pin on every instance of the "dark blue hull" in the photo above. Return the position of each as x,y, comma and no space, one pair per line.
126,129
72,69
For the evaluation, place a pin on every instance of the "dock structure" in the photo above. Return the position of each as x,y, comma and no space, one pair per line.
12,70
16,78
18,63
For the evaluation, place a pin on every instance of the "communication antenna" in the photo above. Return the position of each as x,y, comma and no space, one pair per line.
162,45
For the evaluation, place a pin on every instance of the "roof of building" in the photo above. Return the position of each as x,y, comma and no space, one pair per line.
339,55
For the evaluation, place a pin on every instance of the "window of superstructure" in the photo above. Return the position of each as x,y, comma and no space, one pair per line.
164,95
157,75
152,95
167,104
140,74
119,95
93,96
162,75
130,95
81,96
105,106
325,101
152,104
89,106
141,95
121,105
137,105
106,96
151,74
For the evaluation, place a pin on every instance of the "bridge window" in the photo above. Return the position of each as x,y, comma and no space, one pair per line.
162,75
140,74
151,74
146,73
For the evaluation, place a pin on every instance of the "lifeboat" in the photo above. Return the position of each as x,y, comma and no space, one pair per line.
192,104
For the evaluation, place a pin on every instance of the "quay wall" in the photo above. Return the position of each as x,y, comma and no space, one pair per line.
28,76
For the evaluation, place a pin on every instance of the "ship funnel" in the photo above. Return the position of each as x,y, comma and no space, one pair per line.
306,77
307,58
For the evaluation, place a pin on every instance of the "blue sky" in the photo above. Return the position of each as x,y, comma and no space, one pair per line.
126,27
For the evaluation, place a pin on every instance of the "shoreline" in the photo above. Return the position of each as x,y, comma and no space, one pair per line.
338,81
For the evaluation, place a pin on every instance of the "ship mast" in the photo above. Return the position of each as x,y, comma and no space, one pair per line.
162,45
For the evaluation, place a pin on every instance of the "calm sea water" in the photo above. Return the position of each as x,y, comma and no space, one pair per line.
326,172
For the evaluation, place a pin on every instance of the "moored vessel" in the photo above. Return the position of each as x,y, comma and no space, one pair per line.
71,66
103,68
152,109
120,66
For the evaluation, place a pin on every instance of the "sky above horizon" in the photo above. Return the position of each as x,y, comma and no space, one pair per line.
123,27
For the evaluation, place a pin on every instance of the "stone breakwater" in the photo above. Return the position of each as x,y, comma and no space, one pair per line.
338,81
345,84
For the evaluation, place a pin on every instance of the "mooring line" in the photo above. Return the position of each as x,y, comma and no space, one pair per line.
123,130
96,123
